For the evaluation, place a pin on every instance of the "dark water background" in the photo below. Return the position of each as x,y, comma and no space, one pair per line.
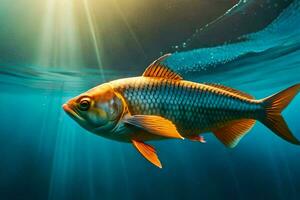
46,155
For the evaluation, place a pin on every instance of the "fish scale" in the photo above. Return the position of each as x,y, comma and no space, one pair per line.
190,106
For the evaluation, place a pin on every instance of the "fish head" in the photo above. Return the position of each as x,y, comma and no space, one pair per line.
97,110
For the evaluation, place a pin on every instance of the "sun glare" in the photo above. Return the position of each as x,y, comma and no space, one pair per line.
79,34
60,44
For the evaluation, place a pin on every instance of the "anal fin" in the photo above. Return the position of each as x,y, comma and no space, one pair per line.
148,152
232,133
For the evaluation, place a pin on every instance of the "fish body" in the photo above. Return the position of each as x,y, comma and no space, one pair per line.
161,105
193,107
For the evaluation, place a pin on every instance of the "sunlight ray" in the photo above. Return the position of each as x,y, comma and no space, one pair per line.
139,45
93,33
59,40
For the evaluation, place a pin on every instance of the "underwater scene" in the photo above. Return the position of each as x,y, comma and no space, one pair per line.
54,50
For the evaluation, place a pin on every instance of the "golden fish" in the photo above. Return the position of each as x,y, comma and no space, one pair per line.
161,105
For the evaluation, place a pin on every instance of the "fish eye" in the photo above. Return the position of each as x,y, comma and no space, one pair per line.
84,104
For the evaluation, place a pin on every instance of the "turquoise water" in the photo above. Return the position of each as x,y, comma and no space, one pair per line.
46,155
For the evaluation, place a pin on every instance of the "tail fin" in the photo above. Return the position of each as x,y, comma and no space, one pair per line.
272,118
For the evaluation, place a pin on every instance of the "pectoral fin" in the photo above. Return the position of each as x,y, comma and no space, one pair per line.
148,152
154,124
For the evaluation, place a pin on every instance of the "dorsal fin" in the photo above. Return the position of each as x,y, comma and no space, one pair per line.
232,133
234,91
157,69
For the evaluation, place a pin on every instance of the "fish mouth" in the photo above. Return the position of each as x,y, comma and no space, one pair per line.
72,113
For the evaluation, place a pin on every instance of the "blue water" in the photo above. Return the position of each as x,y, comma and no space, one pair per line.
46,155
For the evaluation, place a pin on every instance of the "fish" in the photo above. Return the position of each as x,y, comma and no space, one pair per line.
161,105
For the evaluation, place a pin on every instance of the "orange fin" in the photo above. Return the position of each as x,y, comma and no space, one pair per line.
232,133
156,69
229,89
148,152
154,124
197,138
272,117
